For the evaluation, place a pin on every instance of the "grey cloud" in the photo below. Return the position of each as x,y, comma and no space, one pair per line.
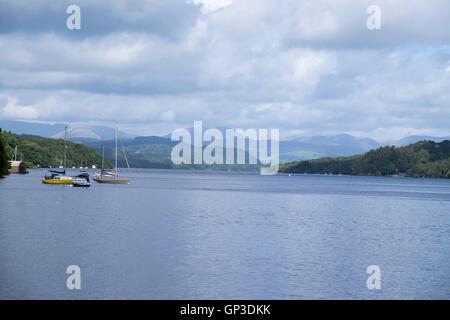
163,18
296,65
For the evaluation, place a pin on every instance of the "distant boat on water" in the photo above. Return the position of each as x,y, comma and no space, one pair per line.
111,176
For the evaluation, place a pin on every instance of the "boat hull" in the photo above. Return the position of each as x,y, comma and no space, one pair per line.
54,181
112,181
81,185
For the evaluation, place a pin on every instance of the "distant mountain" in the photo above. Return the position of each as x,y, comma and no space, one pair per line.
295,148
90,132
151,152
56,131
292,149
338,140
305,147
191,131
155,147
413,139
32,128
313,147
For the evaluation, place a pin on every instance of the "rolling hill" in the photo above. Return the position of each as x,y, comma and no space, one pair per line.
422,159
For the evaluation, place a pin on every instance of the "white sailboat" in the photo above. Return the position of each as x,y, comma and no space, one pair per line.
112,176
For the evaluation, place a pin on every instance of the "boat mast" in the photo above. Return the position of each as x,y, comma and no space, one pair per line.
65,146
15,154
116,150
103,153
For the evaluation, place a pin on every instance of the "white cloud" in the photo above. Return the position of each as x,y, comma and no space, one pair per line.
168,115
309,66
211,5
13,110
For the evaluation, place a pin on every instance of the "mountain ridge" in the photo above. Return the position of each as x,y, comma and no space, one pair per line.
293,148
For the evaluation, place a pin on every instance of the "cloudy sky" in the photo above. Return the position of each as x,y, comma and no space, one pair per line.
303,66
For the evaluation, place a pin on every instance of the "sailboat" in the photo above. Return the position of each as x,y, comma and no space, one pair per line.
111,176
59,176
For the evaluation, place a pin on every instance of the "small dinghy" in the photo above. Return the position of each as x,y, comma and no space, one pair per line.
81,180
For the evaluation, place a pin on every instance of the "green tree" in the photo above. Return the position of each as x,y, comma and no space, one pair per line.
38,152
421,159
4,156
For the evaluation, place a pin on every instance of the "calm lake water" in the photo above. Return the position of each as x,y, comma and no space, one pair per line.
216,235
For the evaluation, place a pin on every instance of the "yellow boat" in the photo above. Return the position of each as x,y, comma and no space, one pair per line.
59,177
57,182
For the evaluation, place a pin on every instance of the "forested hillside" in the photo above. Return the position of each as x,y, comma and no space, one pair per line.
421,159
44,152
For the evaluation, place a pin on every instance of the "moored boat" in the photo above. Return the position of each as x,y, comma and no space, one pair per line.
111,176
82,180
59,176
111,179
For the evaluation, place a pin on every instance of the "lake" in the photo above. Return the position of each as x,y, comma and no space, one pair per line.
215,235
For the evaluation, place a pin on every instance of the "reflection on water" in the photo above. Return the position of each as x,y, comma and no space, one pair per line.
215,235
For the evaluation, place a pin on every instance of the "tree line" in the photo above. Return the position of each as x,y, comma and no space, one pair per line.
426,159
38,152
